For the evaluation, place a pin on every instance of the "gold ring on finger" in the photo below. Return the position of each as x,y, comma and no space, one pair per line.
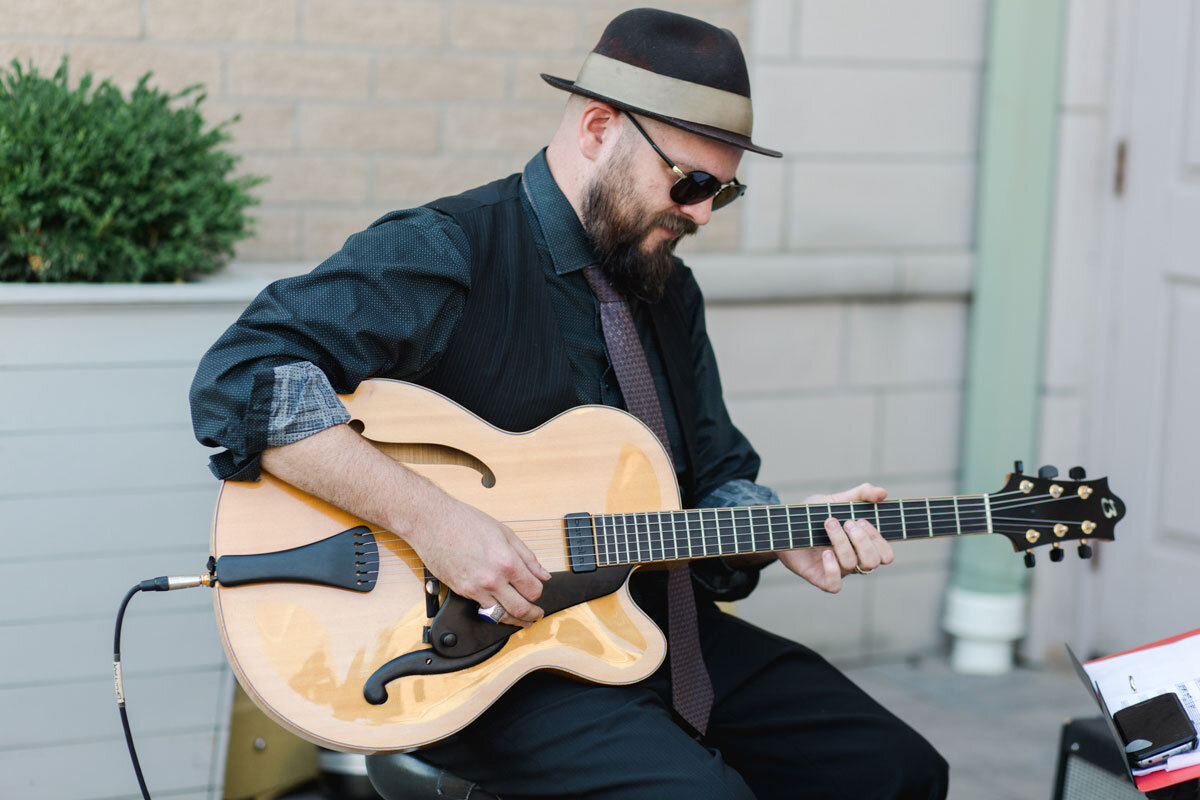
862,571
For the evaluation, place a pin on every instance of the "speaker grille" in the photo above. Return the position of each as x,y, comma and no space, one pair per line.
1086,781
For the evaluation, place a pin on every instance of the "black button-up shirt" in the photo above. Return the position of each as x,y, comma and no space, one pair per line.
387,304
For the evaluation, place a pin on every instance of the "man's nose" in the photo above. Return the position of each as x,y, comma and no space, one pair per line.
698,212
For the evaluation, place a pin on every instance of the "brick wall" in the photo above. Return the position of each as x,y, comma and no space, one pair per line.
350,107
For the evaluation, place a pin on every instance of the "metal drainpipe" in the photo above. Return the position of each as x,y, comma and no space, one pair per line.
985,604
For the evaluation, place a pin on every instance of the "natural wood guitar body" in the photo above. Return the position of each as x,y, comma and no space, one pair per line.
303,652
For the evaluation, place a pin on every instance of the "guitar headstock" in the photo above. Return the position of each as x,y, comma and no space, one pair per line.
1045,509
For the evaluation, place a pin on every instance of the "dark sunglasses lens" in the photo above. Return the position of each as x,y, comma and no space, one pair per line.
728,195
696,187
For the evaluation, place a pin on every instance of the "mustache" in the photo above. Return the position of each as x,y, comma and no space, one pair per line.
680,226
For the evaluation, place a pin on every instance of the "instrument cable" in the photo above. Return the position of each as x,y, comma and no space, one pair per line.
163,583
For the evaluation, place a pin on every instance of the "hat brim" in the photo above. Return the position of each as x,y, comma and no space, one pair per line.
708,131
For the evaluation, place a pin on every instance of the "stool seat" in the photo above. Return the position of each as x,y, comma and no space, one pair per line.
402,776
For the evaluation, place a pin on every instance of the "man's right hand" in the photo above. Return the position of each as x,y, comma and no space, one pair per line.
479,558
471,553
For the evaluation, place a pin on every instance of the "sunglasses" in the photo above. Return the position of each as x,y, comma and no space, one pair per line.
696,186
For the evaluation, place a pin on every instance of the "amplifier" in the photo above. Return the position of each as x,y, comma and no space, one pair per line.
1089,765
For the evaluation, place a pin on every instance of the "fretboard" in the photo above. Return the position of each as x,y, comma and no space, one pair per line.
641,538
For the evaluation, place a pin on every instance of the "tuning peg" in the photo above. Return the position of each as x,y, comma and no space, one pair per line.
1030,561
1018,466
1077,473
1048,471
1056,555
1085,550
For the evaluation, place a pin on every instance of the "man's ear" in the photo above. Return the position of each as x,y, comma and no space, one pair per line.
599,126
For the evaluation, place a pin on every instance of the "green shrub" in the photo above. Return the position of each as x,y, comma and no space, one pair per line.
95,187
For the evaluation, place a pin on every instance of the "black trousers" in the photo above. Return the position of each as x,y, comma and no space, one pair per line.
785,724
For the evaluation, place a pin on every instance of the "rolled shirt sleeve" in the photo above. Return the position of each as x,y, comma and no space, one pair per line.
385,305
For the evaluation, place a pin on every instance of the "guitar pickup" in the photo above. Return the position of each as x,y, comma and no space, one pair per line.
581,542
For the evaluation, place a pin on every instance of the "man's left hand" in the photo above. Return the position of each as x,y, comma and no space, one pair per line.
854,544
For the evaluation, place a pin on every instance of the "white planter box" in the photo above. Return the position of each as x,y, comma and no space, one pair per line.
102,486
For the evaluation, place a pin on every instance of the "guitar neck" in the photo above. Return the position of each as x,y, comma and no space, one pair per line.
655,536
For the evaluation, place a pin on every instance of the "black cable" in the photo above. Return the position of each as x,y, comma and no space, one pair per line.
137,768
160,584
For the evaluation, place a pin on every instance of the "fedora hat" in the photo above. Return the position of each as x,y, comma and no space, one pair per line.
673,68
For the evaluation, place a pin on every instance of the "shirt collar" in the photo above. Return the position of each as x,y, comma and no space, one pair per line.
569,247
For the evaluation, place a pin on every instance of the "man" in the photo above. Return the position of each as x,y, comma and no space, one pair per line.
494,297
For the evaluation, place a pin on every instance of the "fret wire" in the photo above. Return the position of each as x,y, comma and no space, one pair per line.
929,517
675,536
610,538
791,530
734,529
645,536
987,506
631,536
808,520
687,533
770,529
629,554
957,522
903,524
610,527
659,540
602,538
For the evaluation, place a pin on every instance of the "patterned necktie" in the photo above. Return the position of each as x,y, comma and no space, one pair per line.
691,687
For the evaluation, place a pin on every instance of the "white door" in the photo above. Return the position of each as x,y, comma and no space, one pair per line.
1148,410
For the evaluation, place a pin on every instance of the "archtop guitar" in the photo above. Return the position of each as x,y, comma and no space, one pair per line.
338,632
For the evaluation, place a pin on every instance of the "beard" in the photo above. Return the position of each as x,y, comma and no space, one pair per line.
617,225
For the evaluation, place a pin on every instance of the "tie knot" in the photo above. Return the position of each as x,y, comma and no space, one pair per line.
601,286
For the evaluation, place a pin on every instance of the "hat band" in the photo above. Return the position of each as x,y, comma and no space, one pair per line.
664,95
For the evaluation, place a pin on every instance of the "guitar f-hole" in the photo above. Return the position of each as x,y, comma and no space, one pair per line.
429,453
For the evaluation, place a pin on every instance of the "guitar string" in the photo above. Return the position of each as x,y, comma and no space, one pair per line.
558,546
749,529
747,526
602,561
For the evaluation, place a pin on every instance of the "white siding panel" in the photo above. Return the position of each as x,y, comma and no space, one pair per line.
115,523
91,335
151,641
171,763
45,715
101,460
97,584
49,399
